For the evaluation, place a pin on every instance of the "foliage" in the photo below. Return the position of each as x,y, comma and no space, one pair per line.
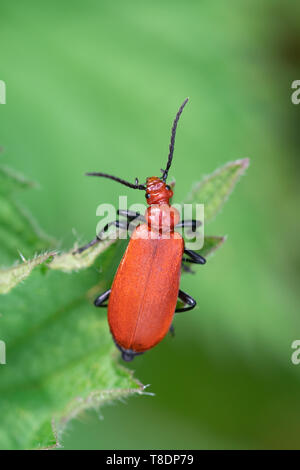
60,357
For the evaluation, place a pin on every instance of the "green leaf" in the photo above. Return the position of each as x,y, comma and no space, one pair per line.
214,190
19,232
60,357
211,244
10,277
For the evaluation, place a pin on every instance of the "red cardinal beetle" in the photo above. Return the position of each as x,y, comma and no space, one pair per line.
143,297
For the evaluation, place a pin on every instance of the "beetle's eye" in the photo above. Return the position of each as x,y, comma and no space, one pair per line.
168,187
147,195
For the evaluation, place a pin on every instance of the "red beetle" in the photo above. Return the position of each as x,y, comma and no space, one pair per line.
143,297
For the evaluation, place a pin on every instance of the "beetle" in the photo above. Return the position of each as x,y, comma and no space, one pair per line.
144,293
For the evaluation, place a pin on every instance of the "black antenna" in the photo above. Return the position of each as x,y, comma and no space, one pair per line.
171,146
119,180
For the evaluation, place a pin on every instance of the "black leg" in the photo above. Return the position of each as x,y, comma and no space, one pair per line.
172,330
130,215
192,224
187,269
102,298
187,300
193,257
127,354
189,223
117,223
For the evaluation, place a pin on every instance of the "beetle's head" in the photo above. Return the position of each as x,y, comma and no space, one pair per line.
157,191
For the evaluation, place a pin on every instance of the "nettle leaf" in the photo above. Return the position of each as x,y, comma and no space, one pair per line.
19,232
211,244
60,356
214,190
60,359
10,277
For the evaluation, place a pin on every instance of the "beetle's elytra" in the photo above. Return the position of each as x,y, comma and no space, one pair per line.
143,297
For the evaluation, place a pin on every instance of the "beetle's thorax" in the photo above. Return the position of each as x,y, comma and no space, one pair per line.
162,218
160,215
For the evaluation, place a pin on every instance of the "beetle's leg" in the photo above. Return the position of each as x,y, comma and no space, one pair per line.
102,298
85,247
193,257
127,354
172,330
189,223
117,223
131,217
130,214
187,300
192,226
187,269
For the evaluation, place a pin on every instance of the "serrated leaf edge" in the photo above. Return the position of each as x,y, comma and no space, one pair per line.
242,164
11,277
95,400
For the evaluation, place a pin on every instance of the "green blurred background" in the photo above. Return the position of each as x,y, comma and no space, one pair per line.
95,85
